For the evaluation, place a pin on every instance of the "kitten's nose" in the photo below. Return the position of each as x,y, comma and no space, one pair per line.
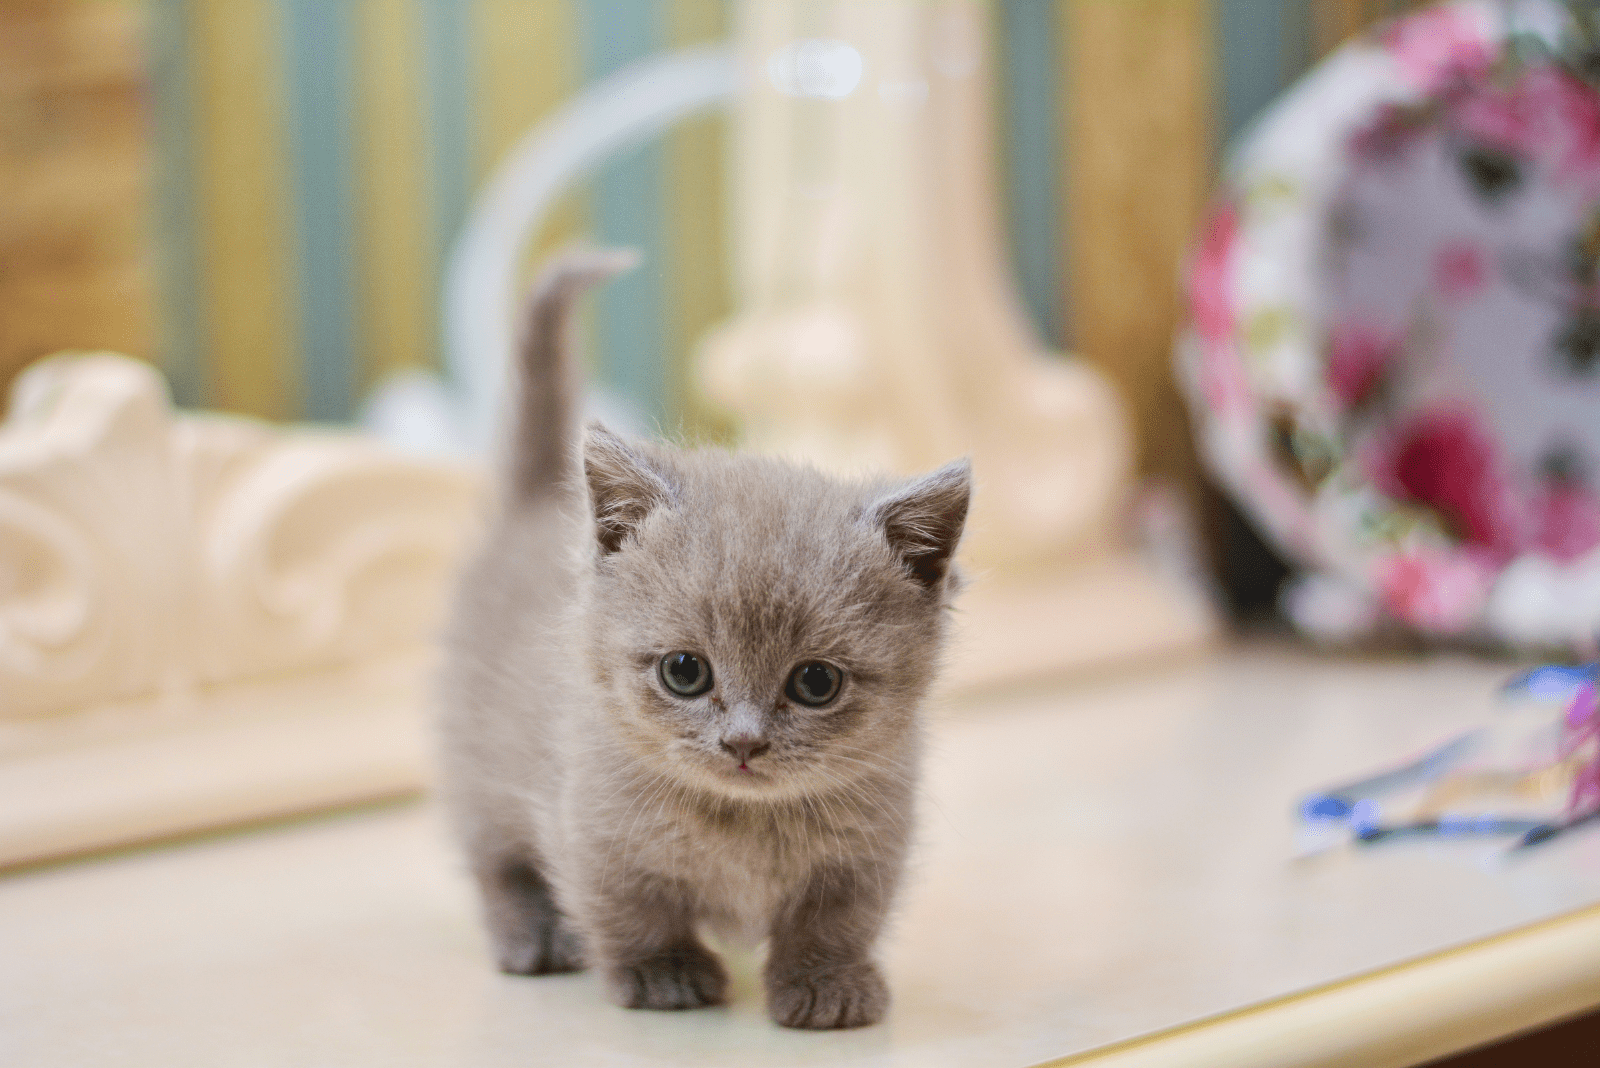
745,746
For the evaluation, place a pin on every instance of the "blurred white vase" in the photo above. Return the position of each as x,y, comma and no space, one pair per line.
878,327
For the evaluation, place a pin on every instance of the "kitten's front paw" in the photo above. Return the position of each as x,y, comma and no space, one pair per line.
548,948
846,995
684,977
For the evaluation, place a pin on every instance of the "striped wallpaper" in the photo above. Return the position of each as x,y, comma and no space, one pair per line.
316,157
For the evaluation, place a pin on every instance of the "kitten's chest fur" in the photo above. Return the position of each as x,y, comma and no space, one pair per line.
743,858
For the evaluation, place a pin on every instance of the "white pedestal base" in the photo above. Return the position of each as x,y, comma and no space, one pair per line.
1109,612
250,751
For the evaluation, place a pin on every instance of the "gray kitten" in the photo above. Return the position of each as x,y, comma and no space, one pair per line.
684,690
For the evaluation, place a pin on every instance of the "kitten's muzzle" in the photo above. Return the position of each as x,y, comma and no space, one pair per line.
746,747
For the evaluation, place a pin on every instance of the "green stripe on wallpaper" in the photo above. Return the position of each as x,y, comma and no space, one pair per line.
1261,49
1299,32
317,159
182,337
526,69
698,291
1029,84
447,63
627,208
319,55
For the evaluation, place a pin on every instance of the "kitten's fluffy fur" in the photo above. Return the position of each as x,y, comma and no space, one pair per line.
606,818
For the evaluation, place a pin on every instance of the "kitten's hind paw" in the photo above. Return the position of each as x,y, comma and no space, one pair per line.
684,977
848,995
549,948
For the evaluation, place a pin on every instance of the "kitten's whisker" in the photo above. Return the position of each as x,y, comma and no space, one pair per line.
865,785
625,783
662,783
908,781
866,825
611,845
879,768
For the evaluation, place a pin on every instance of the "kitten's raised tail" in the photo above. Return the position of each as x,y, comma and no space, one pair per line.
546,373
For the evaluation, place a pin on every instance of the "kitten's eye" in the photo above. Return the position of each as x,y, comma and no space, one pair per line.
685,674
814,683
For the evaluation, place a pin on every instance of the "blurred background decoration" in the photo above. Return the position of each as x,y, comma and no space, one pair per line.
205,618
77,232
259,198
258,195
878,328
1393,348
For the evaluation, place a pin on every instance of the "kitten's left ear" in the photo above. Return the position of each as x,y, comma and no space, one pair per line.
623,487
923,521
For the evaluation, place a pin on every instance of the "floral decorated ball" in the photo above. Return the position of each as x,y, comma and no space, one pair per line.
1393,350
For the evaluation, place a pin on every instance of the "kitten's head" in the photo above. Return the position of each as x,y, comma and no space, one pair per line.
760,629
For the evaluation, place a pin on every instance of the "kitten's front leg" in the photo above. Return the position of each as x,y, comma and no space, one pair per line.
820,973
644,936
530,935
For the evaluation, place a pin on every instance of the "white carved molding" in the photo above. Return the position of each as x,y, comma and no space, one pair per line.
168,578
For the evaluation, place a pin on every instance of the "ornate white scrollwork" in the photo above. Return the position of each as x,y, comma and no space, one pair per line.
144,551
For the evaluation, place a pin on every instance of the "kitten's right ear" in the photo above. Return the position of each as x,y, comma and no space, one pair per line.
623,487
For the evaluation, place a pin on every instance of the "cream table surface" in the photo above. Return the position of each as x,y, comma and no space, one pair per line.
1099,864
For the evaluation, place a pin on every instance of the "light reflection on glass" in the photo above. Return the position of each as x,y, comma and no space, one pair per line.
819,68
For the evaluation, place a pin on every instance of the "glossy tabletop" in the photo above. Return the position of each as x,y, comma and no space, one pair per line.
1098,862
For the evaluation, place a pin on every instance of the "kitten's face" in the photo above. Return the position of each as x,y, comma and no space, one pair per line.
759,630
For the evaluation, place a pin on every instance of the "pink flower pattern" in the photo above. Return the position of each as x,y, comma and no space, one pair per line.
1438,46
1357,356
1460,269
1447,460
1209,295
1567,522
1546,115
1223,379
1443,458
1440,592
